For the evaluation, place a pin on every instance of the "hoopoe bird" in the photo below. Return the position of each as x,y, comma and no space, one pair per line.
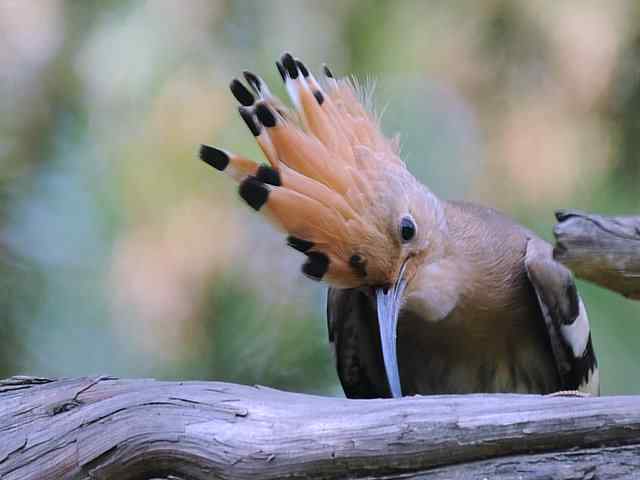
426,296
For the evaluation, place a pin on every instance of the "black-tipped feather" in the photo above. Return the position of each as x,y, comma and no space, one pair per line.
282,71
303,68
327,72
247,116
299,244
290,65
254,192
319,97
268,175
242,94
254,81
316,265
265,115
215,157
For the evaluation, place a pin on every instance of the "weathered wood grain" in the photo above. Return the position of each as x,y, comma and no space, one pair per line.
603,250
104,427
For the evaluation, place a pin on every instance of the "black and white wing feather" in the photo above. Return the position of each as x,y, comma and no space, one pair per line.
355,339
566,319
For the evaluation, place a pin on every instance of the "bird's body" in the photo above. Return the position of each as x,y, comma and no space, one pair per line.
494,339
476,301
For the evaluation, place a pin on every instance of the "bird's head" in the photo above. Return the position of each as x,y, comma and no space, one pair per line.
336,186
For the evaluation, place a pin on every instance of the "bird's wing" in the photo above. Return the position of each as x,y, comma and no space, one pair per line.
354,337
565,316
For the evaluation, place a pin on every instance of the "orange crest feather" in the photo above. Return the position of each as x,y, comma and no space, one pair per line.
327,163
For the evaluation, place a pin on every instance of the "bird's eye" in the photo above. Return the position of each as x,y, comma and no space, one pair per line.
407,229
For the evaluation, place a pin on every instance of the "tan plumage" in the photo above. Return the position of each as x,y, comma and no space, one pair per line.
477,302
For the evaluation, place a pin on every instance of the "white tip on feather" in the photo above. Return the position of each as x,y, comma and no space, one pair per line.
577,333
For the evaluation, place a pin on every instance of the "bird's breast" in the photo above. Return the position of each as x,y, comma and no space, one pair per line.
483,345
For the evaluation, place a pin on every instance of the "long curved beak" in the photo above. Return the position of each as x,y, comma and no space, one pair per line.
388,302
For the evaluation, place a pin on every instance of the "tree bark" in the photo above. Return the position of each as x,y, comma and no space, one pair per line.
104,427
602,250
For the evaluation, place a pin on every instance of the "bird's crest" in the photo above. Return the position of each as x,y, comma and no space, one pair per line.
330,178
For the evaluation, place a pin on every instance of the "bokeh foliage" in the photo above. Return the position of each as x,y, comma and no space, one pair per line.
120,253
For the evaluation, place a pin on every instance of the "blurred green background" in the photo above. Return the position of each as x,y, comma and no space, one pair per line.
121,253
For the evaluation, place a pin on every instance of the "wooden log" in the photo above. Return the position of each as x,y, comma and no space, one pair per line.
105,428
603,250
